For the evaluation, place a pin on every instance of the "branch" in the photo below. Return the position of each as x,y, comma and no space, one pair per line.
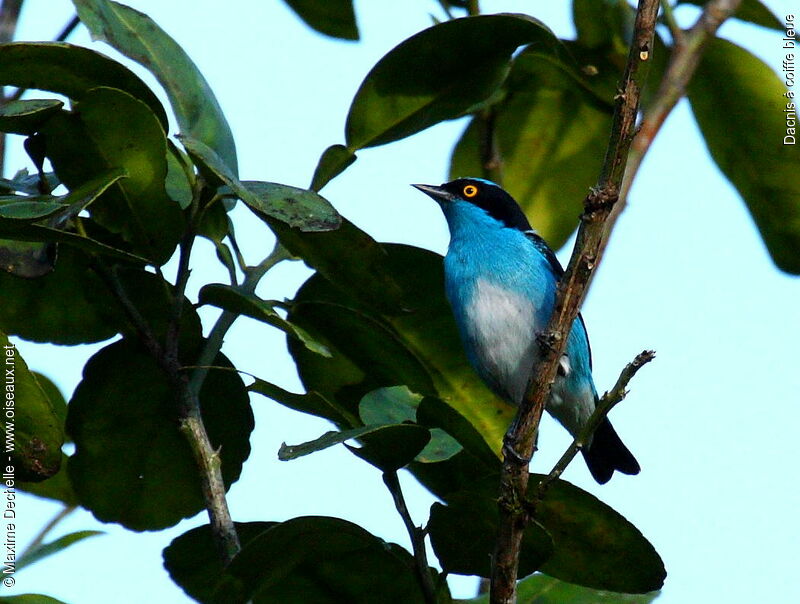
570,295
417,536
687,50
9,15
604,407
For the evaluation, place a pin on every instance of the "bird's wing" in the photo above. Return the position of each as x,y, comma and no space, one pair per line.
558,272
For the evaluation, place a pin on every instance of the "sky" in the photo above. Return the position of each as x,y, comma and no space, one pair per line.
712,420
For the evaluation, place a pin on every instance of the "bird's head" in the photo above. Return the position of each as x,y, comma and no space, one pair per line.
460,197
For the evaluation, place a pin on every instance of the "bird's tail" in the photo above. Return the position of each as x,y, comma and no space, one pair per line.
607,453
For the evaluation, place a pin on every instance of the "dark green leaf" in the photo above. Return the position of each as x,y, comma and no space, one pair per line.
57,488
125,400
334,18
311,403
305,210
26,259
463,535
345,564
551,137
751,11
71,71
394,447
333,161
748,141
25,117
71,305
437,414
38,232
136,36
29,419
465,61
44,550
16,207
97,138
541,589
236,300
192,560
594,545
396,405
54,395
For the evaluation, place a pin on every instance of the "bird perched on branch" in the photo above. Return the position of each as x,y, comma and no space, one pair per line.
501,279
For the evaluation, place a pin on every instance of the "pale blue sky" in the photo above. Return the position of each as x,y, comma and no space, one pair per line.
713,420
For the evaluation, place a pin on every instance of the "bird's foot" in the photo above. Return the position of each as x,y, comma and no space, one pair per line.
510,453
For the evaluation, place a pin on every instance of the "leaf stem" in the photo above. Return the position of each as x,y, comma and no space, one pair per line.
417,535
571,292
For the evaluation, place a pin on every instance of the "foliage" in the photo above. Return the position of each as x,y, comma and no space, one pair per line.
382,364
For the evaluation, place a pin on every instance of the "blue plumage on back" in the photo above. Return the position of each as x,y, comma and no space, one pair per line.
501,279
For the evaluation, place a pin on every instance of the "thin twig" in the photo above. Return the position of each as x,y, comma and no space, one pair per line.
42,534
68,29
686,55
608,401
9,15
417,536
570,295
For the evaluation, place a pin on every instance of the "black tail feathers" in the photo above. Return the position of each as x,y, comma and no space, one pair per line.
607,453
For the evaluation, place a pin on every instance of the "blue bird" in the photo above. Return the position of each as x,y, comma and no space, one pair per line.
500,279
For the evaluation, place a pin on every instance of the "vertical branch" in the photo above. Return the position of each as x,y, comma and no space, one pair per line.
687,50
570,295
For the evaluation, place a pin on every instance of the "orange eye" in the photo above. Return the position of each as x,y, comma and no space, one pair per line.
470,191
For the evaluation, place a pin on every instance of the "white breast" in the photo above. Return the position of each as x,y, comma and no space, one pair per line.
502,331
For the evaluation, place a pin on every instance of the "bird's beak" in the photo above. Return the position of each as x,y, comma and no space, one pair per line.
438,194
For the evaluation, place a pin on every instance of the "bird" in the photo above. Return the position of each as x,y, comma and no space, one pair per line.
500,278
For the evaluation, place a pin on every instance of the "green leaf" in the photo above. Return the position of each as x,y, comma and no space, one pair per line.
312,403
541,589
95,139
603,23
595,546
396,405
334,18
299,208
236,300
463,535
747,141
33,432
43,550
465,61
125,400
388,447
178,183
136,36
71,71
25,117
85,310
192,560
551,137
29,599
345,564
350,259
750,11
333,161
